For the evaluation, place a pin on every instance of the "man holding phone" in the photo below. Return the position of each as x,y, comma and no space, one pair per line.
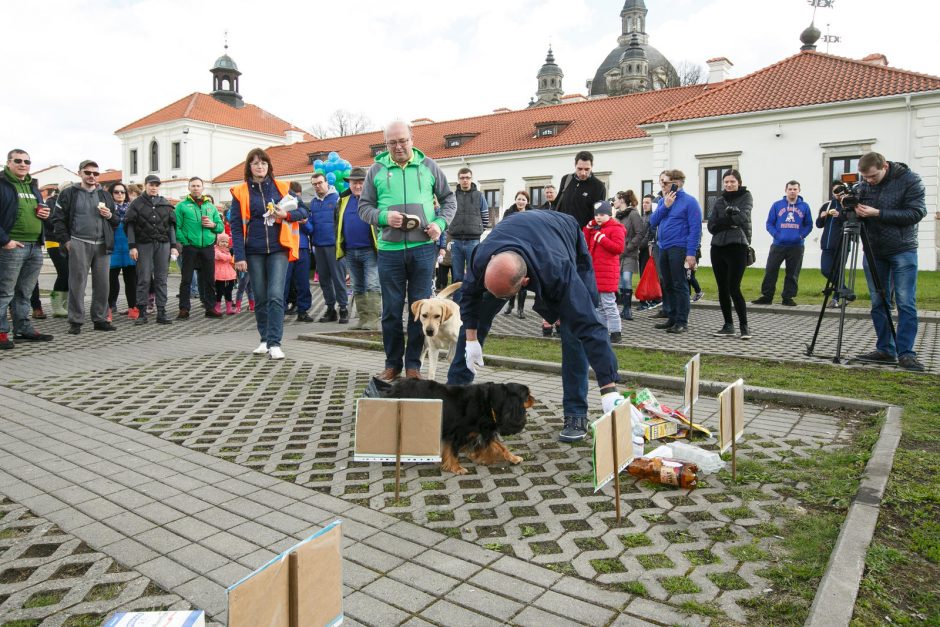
678,220
197,224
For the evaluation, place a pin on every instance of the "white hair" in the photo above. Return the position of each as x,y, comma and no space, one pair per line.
394,124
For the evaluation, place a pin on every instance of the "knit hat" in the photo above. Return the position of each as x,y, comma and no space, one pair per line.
603,207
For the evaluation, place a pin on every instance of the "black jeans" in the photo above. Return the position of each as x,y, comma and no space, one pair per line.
793,256
60,259
203,258
728,264
130,286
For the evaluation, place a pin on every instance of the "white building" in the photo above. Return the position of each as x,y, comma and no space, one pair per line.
200,134
808,117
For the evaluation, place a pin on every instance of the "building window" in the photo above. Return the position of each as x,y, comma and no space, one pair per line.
647,188
493,198
133,161
177,156
713,188
841,165
536,196
154,156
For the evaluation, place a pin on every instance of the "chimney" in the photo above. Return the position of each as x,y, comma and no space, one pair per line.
292,136
876,58
719,69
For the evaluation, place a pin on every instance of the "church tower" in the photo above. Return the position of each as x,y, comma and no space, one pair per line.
225,81
549,83
633,21
632,72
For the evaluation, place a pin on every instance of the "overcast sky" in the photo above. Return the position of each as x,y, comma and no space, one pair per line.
89,68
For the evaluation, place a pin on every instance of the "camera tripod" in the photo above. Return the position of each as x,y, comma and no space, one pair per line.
853,232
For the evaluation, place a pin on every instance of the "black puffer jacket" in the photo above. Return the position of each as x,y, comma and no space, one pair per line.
150,219
900,199
729,221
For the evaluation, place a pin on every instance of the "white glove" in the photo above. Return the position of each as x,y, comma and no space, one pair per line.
474,354
611,400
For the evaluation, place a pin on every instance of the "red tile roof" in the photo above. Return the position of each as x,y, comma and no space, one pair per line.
592,122
806,78
110,176
204,108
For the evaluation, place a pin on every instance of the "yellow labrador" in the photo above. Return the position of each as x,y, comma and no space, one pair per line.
440,322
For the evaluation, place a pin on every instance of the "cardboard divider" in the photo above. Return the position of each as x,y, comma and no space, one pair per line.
377,430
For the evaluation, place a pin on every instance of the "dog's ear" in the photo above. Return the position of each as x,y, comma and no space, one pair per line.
416,308
447,313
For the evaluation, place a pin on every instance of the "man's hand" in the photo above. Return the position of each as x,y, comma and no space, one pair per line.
690,262
864,211
669,198
474,354
10,245
207,222
241,266
611,400
133,253
395,219
68,246
433,231
42,212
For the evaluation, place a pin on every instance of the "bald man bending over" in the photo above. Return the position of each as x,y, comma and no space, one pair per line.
544,252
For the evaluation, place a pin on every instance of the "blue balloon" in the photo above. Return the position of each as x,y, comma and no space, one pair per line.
346,165
331,178
333,156
317,164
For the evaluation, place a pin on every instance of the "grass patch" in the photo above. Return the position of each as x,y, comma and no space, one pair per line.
46,598
679,585
655,560
633,587
634,540
748,553
607,566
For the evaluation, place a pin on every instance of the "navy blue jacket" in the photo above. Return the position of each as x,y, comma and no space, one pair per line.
262,239
900,199
9,208
561,275
831,237
321,227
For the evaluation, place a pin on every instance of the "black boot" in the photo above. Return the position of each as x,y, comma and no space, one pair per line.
162,318
329,315
627,313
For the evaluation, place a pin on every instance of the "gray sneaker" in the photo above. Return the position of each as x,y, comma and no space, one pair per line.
908,362
727,330
575,429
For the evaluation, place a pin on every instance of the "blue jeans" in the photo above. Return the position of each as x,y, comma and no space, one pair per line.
675,285
626,280
574,363
363,264
460,253
267,273
409,271
298,272
19,271
332,274
900,272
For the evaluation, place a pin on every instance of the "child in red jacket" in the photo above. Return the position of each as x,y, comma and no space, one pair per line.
224,274
605,239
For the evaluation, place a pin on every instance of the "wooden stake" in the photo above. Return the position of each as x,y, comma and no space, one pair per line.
613,431
398,428
691,415
734,440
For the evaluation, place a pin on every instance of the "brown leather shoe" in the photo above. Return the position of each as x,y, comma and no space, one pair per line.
389,374
411,373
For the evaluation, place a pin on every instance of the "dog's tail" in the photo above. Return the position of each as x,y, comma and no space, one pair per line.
450,289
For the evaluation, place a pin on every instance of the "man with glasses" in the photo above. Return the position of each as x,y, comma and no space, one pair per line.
678,220
321,227
544,252
891,206
398,197
471,218
84,222
22,214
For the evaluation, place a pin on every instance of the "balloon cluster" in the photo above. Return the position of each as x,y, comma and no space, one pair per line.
335,170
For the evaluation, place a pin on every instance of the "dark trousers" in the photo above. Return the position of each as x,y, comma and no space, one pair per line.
793,257
130,286
203,259
442,277
34,301
60,259
297,282
728,264
675,285
223,289
643,258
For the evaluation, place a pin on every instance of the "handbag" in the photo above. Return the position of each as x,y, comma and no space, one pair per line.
751,256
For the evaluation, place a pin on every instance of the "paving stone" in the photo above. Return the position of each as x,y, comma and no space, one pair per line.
204,593
447,564
97,535
186,503
161,540
371,611
446,613
159,513
130,552
257,559
257,534
534,617
524,570
198,558
662,613
506,585
356,576
229,574
219,518
372,558
423,578
401,595
574,609
130,524
192,529
246,508
396,546
229,545
282,522
166,572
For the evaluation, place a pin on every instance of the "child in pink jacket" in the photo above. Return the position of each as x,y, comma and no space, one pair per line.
224,274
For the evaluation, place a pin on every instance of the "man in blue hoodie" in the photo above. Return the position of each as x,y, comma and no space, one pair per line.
789,222
678,220
322,230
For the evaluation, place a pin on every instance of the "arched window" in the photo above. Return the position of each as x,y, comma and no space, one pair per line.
154,156
553,82
226,83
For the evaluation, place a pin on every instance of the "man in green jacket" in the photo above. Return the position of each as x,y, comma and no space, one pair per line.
398,197
197,225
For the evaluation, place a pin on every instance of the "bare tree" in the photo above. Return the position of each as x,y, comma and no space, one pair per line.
342,123
690,73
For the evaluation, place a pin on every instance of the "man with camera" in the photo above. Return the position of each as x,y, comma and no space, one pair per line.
891,204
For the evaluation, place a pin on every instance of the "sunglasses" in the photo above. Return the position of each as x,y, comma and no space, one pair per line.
90,173
118,191
22,161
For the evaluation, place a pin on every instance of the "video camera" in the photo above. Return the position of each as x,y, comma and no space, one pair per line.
848,192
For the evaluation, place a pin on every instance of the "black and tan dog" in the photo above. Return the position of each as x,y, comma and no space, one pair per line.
474,416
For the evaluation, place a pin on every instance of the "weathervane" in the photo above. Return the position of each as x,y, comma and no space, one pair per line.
226,40
825,4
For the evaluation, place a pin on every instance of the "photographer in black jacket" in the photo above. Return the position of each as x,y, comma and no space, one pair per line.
891,204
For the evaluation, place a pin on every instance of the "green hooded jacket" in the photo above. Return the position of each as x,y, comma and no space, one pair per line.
189,229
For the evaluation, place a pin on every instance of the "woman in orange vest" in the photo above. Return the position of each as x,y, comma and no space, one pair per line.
265,238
